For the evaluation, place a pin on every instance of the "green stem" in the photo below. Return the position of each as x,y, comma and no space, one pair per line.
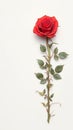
48,86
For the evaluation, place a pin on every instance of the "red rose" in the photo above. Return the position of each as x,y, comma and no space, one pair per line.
46,26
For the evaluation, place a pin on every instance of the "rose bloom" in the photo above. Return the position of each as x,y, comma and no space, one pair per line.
46,26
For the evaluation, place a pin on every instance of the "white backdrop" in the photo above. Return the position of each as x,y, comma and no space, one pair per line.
20,106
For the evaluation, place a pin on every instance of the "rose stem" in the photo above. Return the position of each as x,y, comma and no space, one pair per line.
48,86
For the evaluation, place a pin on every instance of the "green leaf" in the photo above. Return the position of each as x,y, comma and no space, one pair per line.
42,48
44,66
52,71
45,105
43,81
63,55
57,76
52,95
52,44
56,57
50,85
39,75
59,68
42,93
40,62
50,99
55,50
